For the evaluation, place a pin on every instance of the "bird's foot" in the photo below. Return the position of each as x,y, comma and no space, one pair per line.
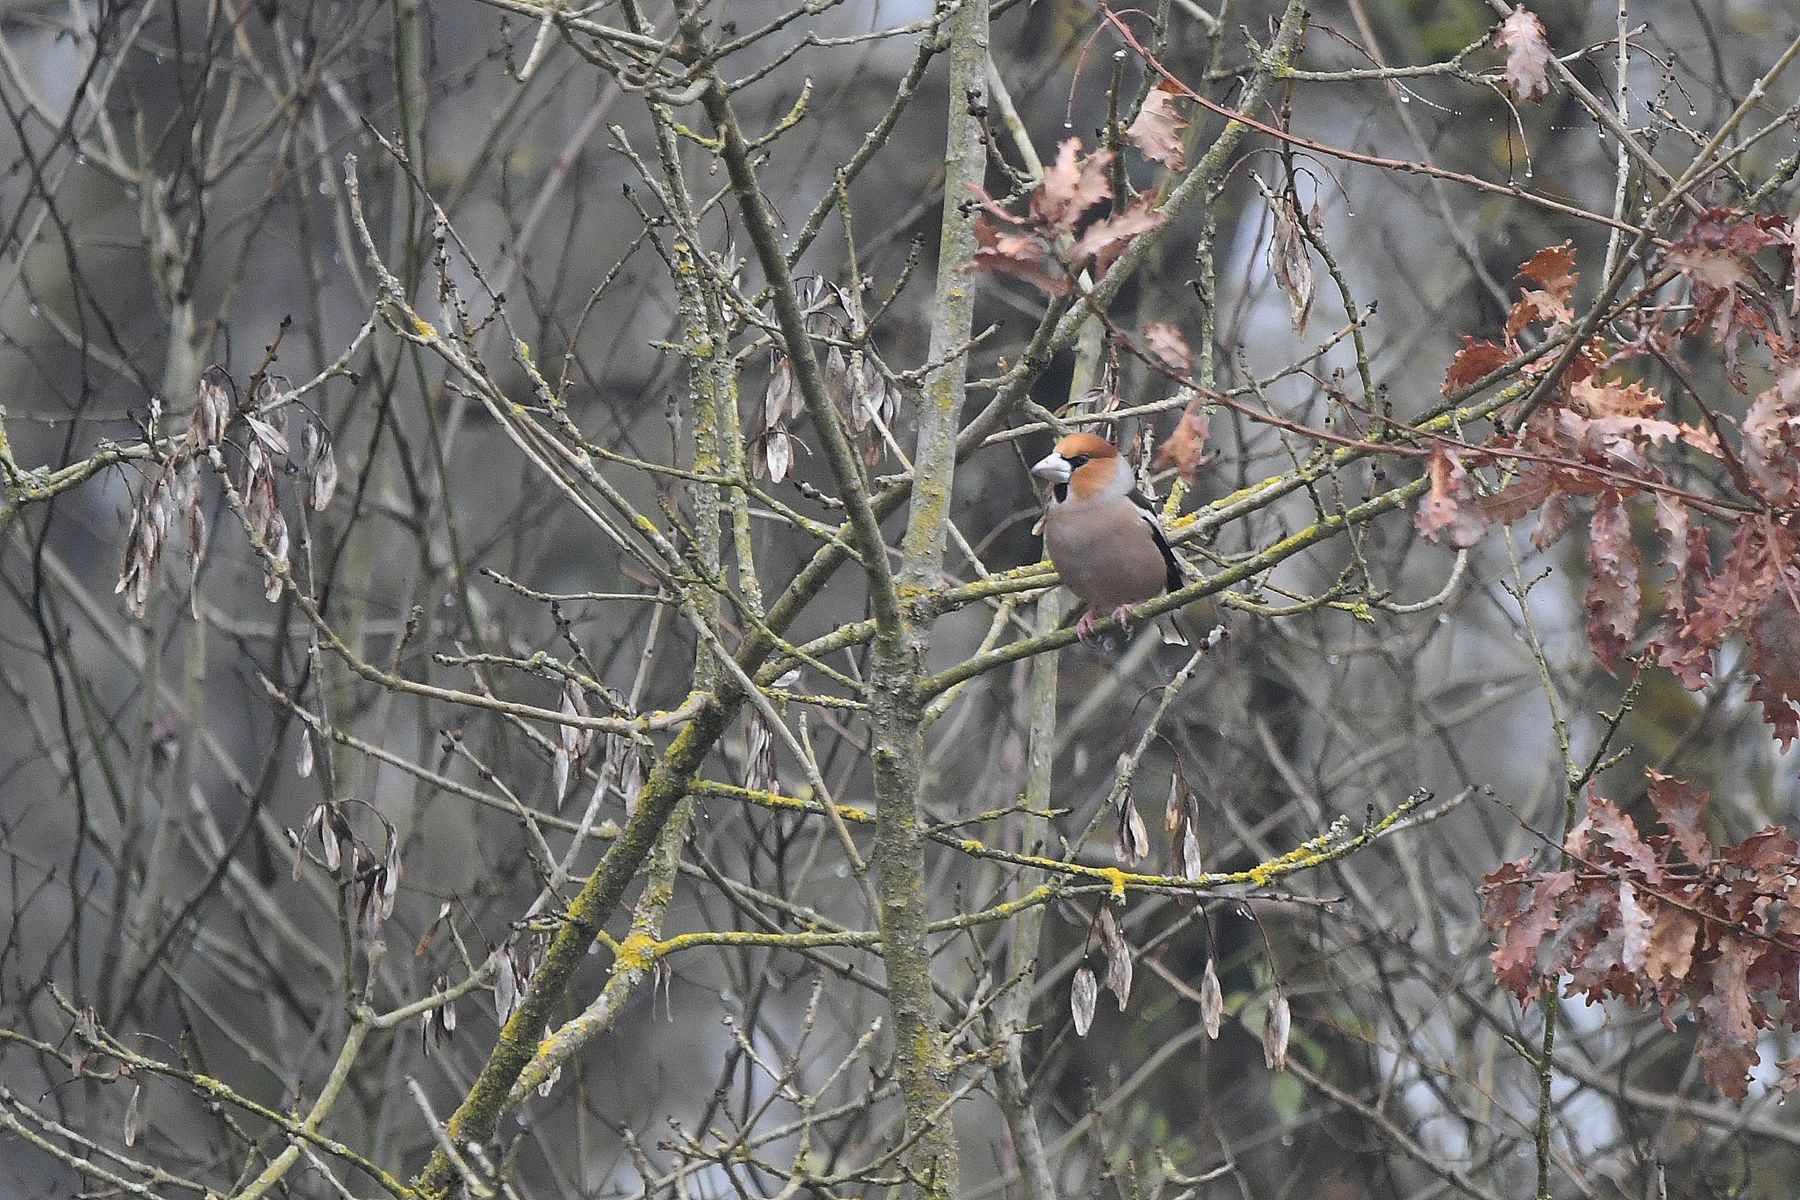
1084,628
1119,615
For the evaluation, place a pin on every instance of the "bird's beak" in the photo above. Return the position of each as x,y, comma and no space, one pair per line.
1052,466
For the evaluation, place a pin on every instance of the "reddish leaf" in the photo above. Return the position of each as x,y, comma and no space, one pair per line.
1105,239
1531,488
1157,128
1600,398
1185,448
1686,552
1680,808
1717,936
1772,437
1165,341
1728,1024
1535,305
1528,56
1671,948
1714,256
1604,822
1612,592
1737,592
1767,847
1445,509
1515,959
1071,186
1552,268
1709,263
1017,254
1474,361
1774,640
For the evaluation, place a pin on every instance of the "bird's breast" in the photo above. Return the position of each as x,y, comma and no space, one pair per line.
1106,558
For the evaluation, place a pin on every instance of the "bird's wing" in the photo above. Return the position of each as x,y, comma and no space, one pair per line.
1147,510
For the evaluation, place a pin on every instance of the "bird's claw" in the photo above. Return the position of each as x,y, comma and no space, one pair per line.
1084,628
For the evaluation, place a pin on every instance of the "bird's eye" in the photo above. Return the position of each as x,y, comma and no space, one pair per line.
1078,461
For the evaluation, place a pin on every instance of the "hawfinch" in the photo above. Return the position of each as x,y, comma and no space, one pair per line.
1102,534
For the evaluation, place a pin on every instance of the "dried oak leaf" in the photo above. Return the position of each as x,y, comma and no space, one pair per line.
1165,341
1728,1022
1072,185
1724,601
1524,913
1156,130
1474,361
1680,808
1553,270
1449,508
1772,437
1528,55
1620,843
1715,258
1671,949
1020,255
1774,641
1104,240
1612,591
1186,447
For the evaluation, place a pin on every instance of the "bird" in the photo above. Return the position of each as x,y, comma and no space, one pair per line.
1102,534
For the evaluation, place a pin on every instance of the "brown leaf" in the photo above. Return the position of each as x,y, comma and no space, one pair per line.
1186,446
1104,240
1612,591
1552,269
1535,305
1604,821
1275,1033
1020,255
1515,958
1134,839
1118,956
1553,521
1212,1001
1728,1025
1292,262
1671,948
1156,130
1528,55
1767,847
1445,510
1083,992
1733,596
1774,641
1165,341
1772,437
1071,186
1714,256
1681,809
1474,361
